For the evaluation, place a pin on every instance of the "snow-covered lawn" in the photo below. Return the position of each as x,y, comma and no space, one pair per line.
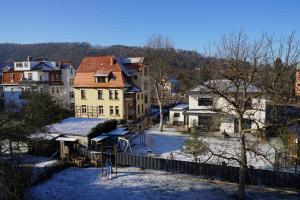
135,184
162,144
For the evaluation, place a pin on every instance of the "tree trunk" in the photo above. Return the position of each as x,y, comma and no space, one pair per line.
160,103
243,164
161,113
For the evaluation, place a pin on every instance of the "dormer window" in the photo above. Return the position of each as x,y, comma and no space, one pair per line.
101,79
19,64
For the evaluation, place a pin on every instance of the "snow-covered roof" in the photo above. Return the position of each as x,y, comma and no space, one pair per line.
66,139
199,112
44,136
75,126
99,138
132,60
133,89
117,132
223,85
181,106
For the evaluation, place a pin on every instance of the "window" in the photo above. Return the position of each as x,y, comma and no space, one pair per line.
145,85
72,94
111,110
101,79
71,82
176,114
142,108
82,92
146,98
52,77
138,109
12,77
138,96
11,90
142,96
83,109
110,94
57,77
57,90
41,90
100,94
19,65
117,110
135,77
205,121
116,94
52,90
101,110
145,71
246,124
29,76
72,106
248,103
41,77
205,102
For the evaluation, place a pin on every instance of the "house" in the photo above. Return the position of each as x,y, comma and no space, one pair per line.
112,88
171,85
176,114
41,75
3,66
213,113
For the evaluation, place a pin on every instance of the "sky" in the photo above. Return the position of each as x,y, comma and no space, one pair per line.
191,24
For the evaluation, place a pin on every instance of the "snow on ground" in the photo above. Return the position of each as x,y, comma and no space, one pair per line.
162,144
75,125
135,184
37,161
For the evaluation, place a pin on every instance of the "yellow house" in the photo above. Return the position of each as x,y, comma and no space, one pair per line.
113,88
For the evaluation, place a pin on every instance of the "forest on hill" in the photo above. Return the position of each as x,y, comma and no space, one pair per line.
183,61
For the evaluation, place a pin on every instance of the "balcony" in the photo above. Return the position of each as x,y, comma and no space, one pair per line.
31,82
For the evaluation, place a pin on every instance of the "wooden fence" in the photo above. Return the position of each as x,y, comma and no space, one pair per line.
228,173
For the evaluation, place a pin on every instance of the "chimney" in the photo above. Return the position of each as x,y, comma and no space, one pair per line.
29,58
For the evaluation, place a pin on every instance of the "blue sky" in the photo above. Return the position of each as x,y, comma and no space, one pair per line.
191,24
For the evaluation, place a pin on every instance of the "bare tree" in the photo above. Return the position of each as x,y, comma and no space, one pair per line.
244,65
158,58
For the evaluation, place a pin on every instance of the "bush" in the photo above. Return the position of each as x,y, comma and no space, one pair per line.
14,181
105,127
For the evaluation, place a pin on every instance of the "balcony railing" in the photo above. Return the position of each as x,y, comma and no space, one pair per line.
26,81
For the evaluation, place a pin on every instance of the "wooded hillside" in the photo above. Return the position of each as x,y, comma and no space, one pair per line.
184,61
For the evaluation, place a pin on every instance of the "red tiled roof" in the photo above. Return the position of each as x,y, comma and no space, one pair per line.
90,66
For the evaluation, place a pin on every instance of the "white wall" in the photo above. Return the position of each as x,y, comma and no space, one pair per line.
173,119
257,113
193,102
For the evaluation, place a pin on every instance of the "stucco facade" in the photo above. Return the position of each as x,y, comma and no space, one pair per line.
112,88
215,113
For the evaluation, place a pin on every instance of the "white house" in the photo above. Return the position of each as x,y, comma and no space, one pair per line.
213,113
41,75
176,114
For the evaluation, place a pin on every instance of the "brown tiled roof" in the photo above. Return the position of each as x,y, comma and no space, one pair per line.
90,66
